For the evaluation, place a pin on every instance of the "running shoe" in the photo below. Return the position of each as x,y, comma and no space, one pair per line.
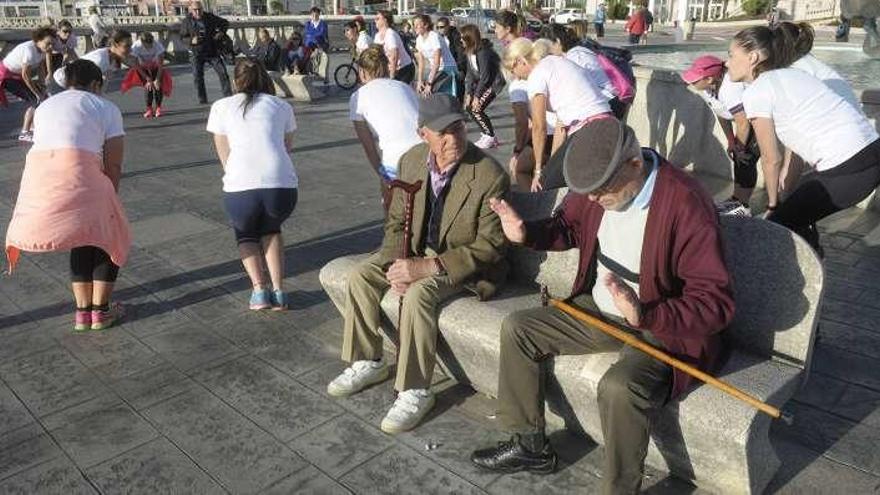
104,319
83,320
733,207
26,137
149,113
260,299
158,112
487,142
279,300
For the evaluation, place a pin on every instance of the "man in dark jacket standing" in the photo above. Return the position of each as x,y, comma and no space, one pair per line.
651,260
204,31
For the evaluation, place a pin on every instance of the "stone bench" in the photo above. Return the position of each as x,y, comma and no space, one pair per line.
707,437
299,87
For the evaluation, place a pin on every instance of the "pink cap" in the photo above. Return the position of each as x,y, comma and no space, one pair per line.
705,66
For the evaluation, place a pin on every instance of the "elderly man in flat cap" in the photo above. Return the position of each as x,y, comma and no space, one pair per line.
651,260
457,243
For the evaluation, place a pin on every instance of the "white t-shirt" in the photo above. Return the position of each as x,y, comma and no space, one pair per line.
813,66
88,120
363,42
588,60
146,55
810,119
568,90
100,57
258,158
391,40
429,44
728,101
397,131
518,90
24,54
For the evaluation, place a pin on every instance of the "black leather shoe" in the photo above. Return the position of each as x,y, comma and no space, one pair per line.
512,457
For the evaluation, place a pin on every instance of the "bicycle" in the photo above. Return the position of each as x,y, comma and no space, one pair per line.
346,76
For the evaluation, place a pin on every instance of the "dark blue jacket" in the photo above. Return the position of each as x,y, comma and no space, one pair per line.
316,36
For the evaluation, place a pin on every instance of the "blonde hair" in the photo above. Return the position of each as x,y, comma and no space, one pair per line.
374,62
533,51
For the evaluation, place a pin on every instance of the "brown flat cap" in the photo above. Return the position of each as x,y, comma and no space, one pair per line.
596,152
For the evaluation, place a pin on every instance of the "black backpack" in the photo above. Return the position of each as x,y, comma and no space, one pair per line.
620,57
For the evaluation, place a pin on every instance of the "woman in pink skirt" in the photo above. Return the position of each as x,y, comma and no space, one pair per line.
68,197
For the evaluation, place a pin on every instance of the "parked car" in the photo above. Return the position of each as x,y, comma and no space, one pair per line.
565,16
461,12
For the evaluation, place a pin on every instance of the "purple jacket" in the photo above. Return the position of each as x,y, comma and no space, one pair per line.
684,286
316,36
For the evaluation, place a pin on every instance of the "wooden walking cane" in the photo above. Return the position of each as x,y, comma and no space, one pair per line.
410,189
650,350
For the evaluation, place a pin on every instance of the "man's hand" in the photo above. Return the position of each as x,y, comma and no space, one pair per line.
404,272
511,222
625,299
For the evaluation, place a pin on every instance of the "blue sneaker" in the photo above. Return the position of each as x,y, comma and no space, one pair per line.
260,299
279,300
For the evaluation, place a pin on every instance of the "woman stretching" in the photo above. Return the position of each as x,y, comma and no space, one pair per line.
68,197
149,73
108,59
17,75
437,69
788,105
253,136
559,85
482,82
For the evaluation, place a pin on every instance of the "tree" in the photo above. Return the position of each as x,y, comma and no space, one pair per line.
618,9
755,7
276,7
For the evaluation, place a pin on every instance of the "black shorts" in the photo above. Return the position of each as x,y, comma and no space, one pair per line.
258,212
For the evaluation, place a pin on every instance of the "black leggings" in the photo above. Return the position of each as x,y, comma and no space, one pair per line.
479,115
745,163
152,93
90,264
406,74
820,194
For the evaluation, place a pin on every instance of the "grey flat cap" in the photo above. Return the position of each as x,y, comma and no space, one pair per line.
439,111
596,152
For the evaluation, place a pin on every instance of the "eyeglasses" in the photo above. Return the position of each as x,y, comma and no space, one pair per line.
65,31
441,26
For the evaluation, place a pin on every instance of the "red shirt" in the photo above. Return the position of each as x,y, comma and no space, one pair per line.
684,287
636,24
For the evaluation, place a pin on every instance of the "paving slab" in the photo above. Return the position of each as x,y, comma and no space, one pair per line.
228,446
151,468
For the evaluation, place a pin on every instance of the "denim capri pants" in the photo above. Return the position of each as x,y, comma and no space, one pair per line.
258,212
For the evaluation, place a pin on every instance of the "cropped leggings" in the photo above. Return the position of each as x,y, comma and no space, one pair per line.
91,264
820,194
479,114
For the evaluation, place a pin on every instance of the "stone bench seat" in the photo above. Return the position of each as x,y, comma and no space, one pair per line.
707,436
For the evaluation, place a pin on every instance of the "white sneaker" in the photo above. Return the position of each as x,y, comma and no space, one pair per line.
733,207
358,376
492,142
483,142
408,410
26,137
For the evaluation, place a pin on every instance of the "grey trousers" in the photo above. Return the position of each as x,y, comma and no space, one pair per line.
418,324
630,393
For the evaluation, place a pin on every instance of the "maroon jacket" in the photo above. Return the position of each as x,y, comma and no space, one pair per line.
684,287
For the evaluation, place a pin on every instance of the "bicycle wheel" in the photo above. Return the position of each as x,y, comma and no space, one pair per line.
346,76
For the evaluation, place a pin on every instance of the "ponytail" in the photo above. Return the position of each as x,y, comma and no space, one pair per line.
799,36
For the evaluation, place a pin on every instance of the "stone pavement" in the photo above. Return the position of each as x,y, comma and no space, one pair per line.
195,394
